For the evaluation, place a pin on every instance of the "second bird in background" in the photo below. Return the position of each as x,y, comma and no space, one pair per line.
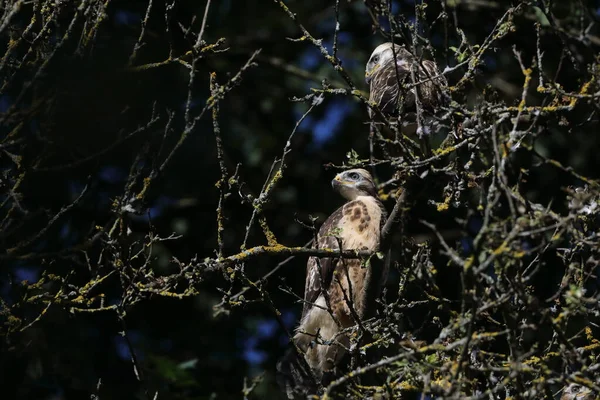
394,88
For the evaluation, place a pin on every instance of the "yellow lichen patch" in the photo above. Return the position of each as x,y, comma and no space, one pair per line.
527,73
532,361
166,293
586,86
441,383
359,93
558,318
212,46
271,239
445,205
589,335
444,151
469,262
591,347
581,380
276,177
541,89
501,249
145,187
79,299
13,321
519,254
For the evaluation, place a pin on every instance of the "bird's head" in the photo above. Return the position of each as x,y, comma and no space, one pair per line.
384,54
576,392
353,183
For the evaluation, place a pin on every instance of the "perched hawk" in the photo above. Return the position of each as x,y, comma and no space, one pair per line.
337,289
576,392
390,84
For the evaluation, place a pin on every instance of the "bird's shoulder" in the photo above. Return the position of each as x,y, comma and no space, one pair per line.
355,214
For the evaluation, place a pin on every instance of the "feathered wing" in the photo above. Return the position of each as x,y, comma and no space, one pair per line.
358,218
319,271
294,376
293,373
431,92
385,90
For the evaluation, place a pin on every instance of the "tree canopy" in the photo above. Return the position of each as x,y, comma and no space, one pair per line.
165,165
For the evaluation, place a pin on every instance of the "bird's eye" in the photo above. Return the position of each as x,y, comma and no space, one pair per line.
376,59
354,176
575,389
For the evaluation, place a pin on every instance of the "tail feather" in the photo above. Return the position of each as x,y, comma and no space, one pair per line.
294,376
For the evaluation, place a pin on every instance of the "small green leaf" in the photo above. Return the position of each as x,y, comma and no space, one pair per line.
541,17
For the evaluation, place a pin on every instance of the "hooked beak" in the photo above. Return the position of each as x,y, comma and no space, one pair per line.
338,182
369,74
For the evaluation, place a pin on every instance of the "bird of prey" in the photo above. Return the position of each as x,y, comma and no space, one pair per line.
335,288
396,78
338,291
576,392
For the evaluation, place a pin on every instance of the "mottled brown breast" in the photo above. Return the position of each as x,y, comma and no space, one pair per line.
358,213
361,224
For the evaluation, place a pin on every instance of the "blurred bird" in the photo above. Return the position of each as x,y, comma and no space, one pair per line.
338,291
577,392
393,90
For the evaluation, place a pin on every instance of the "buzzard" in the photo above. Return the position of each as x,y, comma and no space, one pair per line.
576,392
390,84
338,291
